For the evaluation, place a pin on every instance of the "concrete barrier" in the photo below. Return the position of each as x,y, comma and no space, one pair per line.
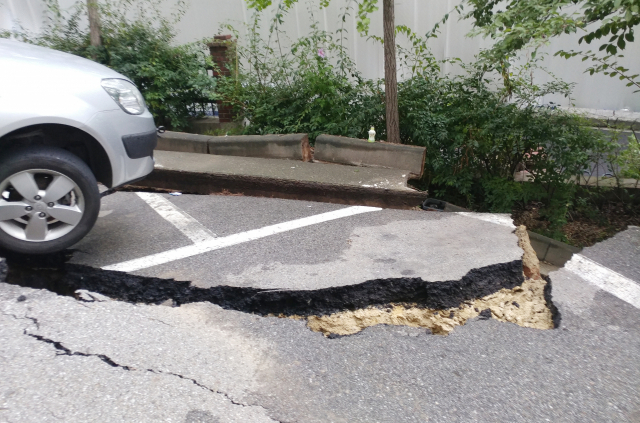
352,151
183,142
552,251
289,146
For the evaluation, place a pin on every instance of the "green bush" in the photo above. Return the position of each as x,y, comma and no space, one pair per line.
309,87
137,44
476,142
476,135
630,159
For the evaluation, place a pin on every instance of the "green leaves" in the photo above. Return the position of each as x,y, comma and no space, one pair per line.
475,142
530,24
365,8
259,4
629,159
607,65
310,86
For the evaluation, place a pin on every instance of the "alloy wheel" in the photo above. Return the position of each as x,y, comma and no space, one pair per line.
39,205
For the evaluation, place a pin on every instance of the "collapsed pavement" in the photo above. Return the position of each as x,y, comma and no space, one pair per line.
511,292
96,359
393,269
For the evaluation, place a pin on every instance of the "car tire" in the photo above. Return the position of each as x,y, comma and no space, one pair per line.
49,200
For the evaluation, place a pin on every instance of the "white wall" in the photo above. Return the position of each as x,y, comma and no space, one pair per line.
204,17
14,13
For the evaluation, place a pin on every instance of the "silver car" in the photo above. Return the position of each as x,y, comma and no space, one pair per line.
66,123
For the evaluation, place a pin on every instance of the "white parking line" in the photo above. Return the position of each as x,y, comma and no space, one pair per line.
497,218
178,218
606,279
227,241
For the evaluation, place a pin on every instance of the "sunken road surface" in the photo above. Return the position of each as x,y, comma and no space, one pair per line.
105,351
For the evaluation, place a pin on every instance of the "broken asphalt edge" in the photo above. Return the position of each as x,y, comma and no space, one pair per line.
53,274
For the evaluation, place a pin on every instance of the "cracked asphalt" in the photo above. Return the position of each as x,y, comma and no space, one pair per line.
96,359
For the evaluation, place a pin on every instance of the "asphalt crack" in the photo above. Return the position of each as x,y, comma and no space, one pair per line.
33,319
61,350
66,351
77,280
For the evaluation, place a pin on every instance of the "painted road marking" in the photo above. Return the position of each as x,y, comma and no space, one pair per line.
498,219
227,241
177,217
604,278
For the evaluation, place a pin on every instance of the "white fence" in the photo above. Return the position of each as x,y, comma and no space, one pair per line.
203,18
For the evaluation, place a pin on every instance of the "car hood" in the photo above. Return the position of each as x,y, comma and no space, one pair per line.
22,55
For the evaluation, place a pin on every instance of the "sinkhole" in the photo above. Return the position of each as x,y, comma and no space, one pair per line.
510,292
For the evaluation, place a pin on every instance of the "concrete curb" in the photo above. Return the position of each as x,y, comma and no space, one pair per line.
212,183
352,151
552,251
184,142
614,122
289,146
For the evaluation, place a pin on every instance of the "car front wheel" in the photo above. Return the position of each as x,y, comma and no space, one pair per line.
49,200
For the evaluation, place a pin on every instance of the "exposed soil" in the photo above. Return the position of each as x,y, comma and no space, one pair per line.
584,227
524,305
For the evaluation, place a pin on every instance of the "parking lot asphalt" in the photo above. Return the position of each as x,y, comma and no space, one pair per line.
98,359
370,244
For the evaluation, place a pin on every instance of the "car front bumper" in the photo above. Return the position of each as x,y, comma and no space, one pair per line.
128,141
141,145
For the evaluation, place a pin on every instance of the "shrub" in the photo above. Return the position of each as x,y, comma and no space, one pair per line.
476,135
476,142
630,159
311,86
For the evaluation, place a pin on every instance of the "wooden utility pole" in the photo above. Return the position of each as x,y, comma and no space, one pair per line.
390,79
94,23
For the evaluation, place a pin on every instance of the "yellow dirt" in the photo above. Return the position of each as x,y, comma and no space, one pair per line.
530,262
531,312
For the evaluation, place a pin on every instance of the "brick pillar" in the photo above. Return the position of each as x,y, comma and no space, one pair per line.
222,49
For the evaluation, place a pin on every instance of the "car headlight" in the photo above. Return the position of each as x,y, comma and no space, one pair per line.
125,94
